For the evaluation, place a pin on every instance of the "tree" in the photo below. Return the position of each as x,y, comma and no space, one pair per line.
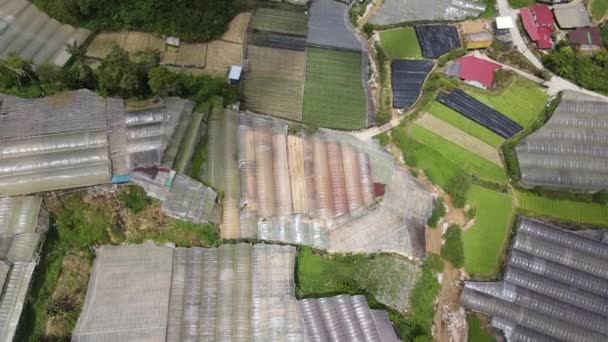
164,82
453,249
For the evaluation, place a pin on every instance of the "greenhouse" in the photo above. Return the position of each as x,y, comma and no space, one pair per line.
555,286
286,186
33,35
22,225
571,150
345,318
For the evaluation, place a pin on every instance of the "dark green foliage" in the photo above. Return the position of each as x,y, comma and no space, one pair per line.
126,77
188,19
368,29
587,70
384,113
434,262
471,213
134,198
453,249
443,60
604,34
457,189
438,213
384,139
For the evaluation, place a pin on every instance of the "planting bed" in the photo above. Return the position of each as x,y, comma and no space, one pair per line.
407,77
280,21
278,40
435,40
333,93
479,112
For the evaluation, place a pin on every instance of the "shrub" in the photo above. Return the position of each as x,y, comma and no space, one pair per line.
471,213
438,213
453,250
457,189
443,60
368,29
134,198
384,139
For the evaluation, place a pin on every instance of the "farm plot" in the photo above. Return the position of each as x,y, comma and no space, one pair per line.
102,44
221,55
435,40
237,29
136,41
471,127
329,26
407,77
278,40
192,55
460,138
484,243
401,43
403,11
274,82
467,160
480,113
522,100
280,21
333,91
562,209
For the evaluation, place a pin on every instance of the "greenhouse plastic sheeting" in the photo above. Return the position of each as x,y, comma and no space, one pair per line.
571,149
297,174
351,178
216,140
13,298
189,142
33,35
264,168
336,176
329,26
555,286
367,185
232,192
309,172
280,166
343,318
296,229
190,200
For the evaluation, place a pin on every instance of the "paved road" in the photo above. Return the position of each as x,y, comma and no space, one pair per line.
506,11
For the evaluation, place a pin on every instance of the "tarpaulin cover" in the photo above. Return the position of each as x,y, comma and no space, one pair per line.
407,78
435,40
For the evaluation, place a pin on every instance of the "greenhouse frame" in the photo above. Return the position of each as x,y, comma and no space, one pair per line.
571,150
22,226
555,286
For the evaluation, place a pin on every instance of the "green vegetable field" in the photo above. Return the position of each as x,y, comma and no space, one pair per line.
599,8
333,91
401,43
561,209
484,242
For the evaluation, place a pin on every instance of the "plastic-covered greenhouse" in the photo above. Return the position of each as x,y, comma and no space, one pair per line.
22,224
555,286
33,35
236,292
345,318
303,188
571,150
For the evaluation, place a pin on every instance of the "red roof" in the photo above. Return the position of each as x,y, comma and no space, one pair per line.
539,34
478,70
586,36
379,189
542,15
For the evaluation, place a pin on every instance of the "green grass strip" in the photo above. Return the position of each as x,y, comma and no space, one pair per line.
469,161
562,209
599,8
469,126
484,242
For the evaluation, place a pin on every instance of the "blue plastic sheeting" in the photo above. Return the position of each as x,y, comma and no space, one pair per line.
121,179
407,77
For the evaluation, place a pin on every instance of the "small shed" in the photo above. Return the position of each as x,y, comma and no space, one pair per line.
572,16
479,40
588,38
234,77
504,23
172,43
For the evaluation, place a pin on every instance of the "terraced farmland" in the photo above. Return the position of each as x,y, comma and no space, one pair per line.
401,43
562,209
333,91
280,21
274,82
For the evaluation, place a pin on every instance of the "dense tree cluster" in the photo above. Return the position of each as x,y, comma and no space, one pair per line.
587,70
191,20
118,75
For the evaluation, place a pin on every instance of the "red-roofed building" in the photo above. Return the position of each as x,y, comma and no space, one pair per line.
538,23
588,38
476,71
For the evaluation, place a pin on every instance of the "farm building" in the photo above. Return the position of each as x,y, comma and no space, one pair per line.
572,16
313,190
473,70
22,226
476,34
234,292
538,23
570,151
555,287
587,38
345,318
33,35
402,11
502,29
